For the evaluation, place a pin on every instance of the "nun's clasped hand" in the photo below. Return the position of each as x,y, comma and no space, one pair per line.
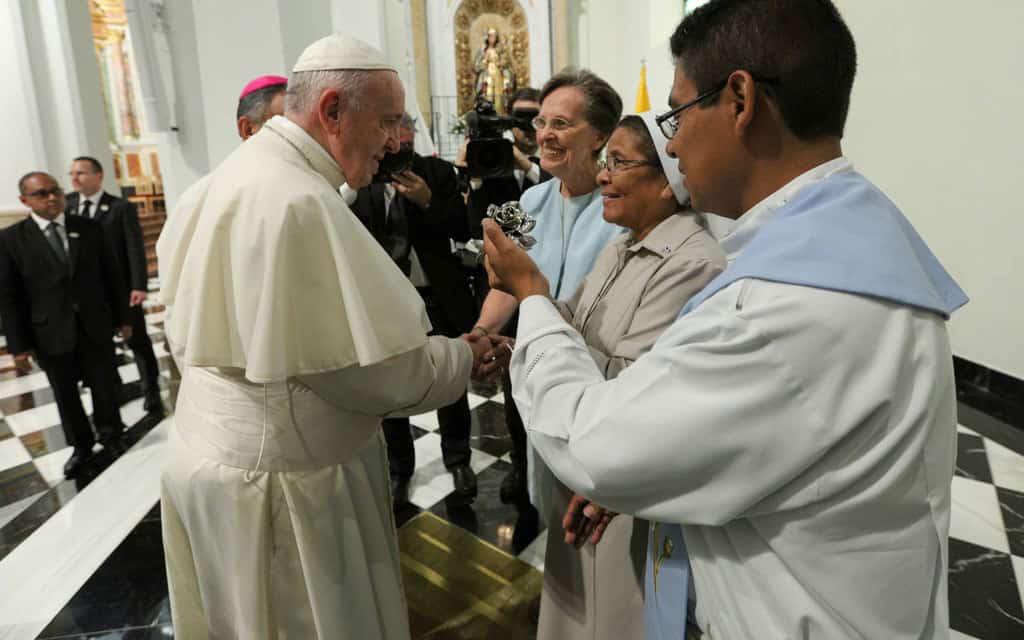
509,269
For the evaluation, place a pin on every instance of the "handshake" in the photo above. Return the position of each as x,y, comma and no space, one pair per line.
491,354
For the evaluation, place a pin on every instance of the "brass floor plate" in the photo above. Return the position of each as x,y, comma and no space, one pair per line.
460,587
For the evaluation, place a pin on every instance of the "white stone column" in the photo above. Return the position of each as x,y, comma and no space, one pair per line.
18,112
216,48
302,24
236,42
56,111
362,19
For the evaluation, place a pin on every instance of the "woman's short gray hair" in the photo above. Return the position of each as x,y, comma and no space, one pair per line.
602,107
305,88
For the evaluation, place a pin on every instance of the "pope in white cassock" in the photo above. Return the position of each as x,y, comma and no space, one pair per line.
294,332
798,419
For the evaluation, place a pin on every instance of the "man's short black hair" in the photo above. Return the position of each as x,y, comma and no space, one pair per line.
803,45
526,93
28,176
256,104
96,166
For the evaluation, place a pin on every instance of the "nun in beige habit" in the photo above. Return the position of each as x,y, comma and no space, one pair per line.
294,332
636,289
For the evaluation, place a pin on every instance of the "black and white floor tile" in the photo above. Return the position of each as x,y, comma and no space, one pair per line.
84,559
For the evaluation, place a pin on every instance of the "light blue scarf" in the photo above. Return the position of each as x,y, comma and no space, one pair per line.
570,234
841,234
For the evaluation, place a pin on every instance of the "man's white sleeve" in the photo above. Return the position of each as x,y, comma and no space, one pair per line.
699,430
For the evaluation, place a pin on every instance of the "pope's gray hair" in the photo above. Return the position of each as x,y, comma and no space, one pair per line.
305,88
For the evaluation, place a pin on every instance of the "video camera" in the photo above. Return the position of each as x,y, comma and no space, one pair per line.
488,154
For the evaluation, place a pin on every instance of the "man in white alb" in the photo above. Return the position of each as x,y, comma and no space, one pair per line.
799,418
294,332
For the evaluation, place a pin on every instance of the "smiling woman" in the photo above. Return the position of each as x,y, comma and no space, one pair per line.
578,112
634,190
634,292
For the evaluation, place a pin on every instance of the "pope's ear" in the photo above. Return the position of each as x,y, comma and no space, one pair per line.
329,108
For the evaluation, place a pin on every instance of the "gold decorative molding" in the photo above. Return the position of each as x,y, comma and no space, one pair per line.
109,21
472,20
421,58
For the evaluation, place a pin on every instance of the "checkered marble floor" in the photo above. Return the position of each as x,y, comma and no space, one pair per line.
986,546
33,449
119,591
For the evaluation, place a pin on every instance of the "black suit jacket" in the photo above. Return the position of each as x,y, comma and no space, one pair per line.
428,232
40,296
120,221
390,231
496,191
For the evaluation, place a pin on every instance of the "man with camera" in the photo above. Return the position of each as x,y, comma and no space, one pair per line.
414,209
498,189
526,171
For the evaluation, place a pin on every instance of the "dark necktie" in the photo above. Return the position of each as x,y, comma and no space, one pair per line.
392,228
53,236
85,209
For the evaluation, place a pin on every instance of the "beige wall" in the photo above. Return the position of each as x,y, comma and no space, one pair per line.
11,216
935,122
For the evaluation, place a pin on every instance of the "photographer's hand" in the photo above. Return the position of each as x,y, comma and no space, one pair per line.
523,162
412,187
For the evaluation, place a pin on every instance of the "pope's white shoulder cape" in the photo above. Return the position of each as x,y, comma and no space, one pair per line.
269,271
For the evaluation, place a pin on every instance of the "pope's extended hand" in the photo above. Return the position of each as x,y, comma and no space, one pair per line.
481,346
496,360
509,269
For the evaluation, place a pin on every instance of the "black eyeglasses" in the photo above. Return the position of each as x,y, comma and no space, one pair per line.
668,122
613,164
46,193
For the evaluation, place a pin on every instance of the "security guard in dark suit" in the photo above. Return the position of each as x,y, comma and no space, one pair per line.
61,298
120,222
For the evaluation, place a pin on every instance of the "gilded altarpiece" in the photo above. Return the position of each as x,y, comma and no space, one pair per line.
473,19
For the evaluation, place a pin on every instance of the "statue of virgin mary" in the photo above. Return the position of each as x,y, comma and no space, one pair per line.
495,79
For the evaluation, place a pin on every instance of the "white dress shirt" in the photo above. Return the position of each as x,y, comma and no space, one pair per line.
94,199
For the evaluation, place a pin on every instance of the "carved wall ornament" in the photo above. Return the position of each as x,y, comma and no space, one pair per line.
473,19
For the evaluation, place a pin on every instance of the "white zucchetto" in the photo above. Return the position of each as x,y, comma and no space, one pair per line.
338,52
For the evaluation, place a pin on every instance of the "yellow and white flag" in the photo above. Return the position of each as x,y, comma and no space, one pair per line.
643,101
